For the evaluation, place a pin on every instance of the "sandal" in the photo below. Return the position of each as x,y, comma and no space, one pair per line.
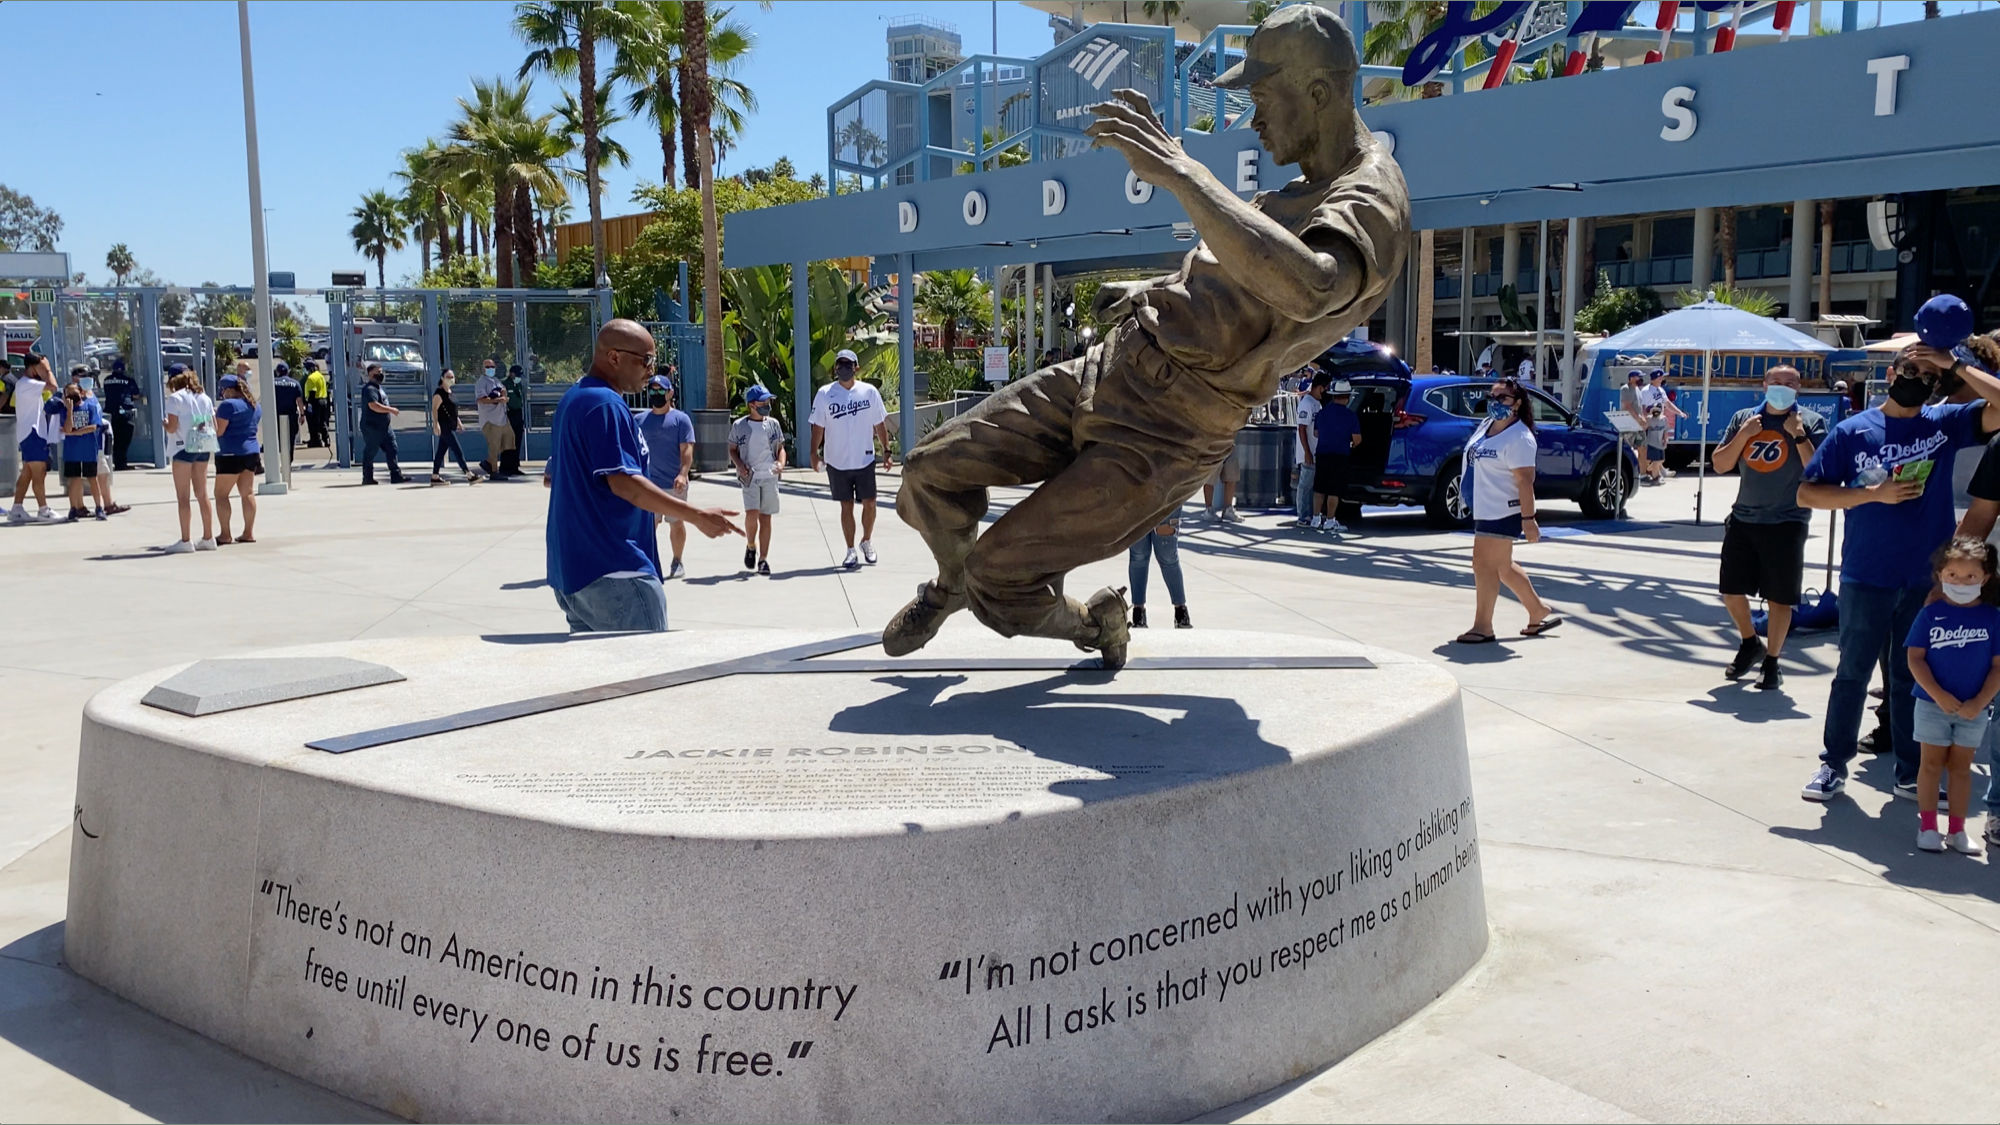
246,538
223,540
1537,628
1471,638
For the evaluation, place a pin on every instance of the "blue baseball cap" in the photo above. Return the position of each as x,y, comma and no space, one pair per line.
177,369
757,393
229,382
661,382
1944,322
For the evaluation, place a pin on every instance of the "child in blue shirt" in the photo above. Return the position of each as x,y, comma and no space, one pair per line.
1954,654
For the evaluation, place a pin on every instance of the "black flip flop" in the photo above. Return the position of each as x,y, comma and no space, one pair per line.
1542,626
1471,638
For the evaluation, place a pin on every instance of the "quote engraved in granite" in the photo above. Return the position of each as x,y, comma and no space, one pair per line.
689,1017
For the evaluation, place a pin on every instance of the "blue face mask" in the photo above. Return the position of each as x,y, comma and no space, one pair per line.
1499,411
1781,398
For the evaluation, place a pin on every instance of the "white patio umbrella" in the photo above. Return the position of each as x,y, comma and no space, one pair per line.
1709,327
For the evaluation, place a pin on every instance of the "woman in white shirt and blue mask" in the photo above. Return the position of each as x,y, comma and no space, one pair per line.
1499,487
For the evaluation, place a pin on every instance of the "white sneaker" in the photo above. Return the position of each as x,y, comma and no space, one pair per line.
47,515
1229,516
1336,527
1964,844
868,552
18,515
1993,829
204,545
853,560
178,547
1318,523
1930,840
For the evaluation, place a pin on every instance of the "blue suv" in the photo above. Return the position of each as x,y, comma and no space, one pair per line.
1414,430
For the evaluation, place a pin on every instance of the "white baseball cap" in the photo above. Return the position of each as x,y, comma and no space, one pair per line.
848,356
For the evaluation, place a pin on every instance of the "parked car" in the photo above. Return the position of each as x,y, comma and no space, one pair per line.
1414,430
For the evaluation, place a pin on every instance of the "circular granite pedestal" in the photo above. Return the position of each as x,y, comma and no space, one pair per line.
946,890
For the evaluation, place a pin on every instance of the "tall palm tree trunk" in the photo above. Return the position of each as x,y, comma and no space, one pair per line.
690,159
503,234
695,104
664,90
461,234
586,74
1725,244
524,235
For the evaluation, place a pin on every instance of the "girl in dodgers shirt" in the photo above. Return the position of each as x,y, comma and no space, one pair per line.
1954,653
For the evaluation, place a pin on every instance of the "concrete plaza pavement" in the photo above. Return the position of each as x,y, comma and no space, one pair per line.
1675,934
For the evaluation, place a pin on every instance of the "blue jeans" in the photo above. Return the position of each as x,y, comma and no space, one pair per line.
381,441
1138,562
1991,748
1874,620
1302,493
617,605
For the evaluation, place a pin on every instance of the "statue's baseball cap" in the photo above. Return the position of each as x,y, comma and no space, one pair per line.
1301,37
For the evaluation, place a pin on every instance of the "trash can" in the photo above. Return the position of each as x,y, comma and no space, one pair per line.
711,440
1264,457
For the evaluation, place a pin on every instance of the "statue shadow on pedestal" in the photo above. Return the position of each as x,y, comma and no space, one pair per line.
1122,734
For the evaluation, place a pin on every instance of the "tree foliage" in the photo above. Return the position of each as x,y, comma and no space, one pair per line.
23,225
1757,302
954,300
120,262
675,232
1614,310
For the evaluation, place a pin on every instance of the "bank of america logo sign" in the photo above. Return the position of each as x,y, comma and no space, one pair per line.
1096,60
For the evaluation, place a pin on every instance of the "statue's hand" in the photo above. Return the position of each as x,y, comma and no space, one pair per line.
1128,125
1114,300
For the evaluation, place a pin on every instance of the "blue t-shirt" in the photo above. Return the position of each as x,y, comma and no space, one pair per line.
84,447
1334,429
664,434
1959,643
591,532
240,439
1891,544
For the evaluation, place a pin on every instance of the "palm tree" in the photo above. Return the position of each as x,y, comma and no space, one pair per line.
952,297
496,144
378,228
120,262
427,189
647,54
698,104
565,35
1167,11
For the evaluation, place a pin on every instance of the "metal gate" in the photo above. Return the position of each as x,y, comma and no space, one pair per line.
416,333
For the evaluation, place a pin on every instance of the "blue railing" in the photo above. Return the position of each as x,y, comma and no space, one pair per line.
1677,271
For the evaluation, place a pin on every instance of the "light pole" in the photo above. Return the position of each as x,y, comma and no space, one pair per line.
267,433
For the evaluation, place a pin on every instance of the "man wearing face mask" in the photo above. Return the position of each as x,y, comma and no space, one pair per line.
1764,542
492,399
757,452
1877,466
669,438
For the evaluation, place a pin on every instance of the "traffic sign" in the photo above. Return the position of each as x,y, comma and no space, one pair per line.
42,296
334,296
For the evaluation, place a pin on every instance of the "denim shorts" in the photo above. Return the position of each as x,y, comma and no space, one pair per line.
1933,727
192,458
617,605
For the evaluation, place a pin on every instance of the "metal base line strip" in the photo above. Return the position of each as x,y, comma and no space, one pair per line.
1087,664
521,708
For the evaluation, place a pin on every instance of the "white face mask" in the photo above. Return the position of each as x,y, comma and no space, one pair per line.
1961,595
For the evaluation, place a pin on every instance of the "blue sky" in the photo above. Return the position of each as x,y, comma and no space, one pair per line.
127,117
137,124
